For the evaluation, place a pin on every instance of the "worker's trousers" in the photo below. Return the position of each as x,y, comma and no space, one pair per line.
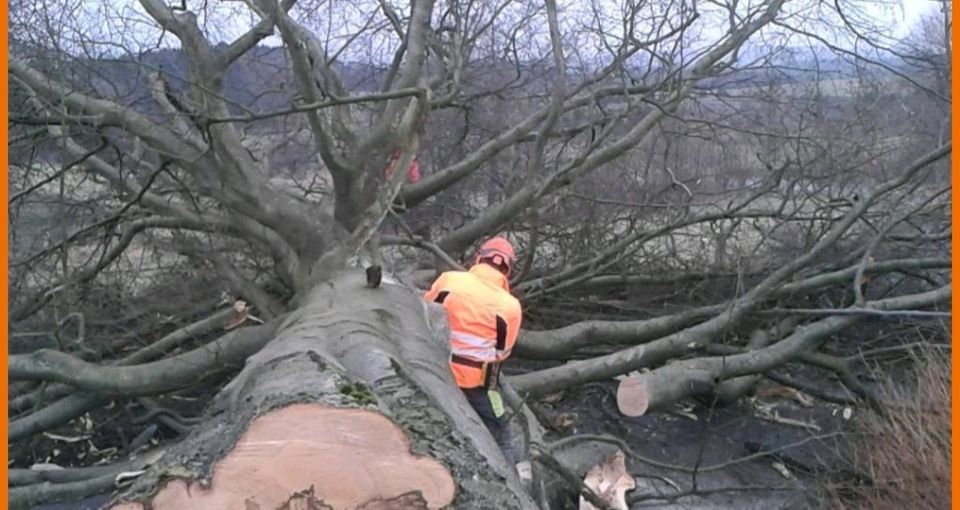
493,416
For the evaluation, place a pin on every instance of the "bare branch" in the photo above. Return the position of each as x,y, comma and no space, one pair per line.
182,370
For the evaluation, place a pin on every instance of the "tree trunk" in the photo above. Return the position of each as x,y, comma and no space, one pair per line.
351,405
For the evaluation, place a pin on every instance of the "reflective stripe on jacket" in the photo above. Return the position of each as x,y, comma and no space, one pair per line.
484,321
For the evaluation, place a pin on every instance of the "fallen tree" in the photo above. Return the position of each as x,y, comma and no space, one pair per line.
355,373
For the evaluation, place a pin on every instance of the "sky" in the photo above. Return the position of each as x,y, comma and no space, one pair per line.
909,13
123,22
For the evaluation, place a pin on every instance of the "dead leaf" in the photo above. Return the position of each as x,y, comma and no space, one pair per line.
686,411
564,420
553,397
786,393
236,321
126,475
88,422
782,470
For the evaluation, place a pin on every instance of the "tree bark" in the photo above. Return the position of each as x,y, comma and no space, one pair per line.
350,405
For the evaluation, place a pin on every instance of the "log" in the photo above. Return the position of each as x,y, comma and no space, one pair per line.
350,405
667,384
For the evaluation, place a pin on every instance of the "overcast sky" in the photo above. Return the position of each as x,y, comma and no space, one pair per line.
909,12
123,23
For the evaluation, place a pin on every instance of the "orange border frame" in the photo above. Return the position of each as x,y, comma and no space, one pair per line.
4,221
4,225
955,259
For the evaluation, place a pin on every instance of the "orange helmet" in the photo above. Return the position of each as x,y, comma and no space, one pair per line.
499,252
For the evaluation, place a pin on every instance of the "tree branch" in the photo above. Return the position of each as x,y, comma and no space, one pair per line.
180,371
673,382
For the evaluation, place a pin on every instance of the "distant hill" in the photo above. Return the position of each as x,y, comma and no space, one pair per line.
262,80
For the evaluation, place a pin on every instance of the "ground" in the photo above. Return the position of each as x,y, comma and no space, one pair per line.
691,430
716,437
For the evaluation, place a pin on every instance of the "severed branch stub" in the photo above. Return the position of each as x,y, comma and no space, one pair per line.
633,399
610,481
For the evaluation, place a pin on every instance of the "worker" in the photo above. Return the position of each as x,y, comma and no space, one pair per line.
413,171
484,322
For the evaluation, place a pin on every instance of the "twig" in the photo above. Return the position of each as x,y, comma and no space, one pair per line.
173,419
336,101
562,443
812,390
419,242
142,438
675,182
854,311
58,173
636,498
858,280
36,488
862,355
34,496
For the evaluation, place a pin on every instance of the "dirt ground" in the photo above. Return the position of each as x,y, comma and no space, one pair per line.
724,444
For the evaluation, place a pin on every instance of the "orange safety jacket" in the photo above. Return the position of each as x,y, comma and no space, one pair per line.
484,322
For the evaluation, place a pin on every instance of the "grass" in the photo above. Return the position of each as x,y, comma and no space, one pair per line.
905,451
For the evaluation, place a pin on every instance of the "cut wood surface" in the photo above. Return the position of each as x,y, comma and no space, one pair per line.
632,396
351,457
610,481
